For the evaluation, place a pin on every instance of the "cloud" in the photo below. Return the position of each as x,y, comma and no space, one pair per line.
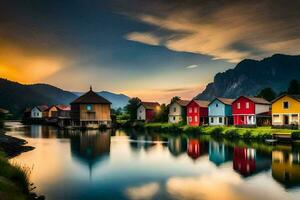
143,192
191,66
230,30
146,38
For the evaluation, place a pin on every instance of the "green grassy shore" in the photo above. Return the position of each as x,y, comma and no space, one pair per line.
229,132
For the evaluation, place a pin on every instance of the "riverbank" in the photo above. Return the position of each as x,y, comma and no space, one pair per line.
230,132
14,179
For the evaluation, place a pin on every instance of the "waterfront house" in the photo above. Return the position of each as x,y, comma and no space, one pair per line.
286,111
197,112
251,111
146,111
90,111
177,111
220,112
39,112
57,111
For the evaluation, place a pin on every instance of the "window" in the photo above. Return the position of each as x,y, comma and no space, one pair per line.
88,107
285,105
196,118
174,118
238,105
247,105
276,118
195,110
174,109
211,120
190,119
217,105
220,120
190,110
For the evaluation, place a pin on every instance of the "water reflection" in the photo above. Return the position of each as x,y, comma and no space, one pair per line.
286,168
136,165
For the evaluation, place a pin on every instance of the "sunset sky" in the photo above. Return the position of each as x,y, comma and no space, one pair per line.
151,49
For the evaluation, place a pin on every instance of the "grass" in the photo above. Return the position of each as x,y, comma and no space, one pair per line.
229,132
14,180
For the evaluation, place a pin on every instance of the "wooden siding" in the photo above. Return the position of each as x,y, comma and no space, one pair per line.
98,112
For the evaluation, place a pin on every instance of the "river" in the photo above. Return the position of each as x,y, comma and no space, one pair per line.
134,165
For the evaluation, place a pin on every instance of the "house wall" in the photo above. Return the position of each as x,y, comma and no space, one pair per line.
52,112
196,114
150,115
98,112
279,112
260,108
141,113
176,113
216,108
243,110
36,113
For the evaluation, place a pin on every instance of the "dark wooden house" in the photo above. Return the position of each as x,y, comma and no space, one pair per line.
90,111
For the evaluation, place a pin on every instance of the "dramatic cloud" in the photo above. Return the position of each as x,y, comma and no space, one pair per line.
230,30
146,38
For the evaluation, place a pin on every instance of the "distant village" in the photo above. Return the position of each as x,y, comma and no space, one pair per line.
93,111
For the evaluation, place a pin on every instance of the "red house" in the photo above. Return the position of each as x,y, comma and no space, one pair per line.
147,110
247,111
197,112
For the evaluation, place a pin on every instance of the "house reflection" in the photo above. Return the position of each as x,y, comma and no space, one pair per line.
286,168
219,153
39,131
248,161
196,148
177,146
145,142
90,147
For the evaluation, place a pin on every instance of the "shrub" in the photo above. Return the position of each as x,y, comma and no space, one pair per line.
193,130
217,132
232,134
296,135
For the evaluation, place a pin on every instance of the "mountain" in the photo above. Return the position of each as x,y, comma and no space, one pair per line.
15,97
117,100
250,76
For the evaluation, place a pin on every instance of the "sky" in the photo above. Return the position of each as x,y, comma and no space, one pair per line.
151,49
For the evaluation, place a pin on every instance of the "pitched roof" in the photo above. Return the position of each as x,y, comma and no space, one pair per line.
150,105
296,97
182,102
224,100
92,98
63,107
202,103
256,100
42,108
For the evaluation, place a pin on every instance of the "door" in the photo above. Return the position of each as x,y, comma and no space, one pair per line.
286,119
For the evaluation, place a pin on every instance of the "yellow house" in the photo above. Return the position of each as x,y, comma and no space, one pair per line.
286,110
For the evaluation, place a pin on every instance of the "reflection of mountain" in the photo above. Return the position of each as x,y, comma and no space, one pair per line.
286,168
195,148
91,146
219,153
247,161
177,145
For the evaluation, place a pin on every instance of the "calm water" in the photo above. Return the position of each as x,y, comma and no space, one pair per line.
129,165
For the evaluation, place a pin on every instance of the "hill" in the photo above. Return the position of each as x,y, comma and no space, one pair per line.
250,76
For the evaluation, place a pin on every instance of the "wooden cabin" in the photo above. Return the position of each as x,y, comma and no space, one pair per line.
286,111
197,112
251,111
177,111
90,111
220,112
146,111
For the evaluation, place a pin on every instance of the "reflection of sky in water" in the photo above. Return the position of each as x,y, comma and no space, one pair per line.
115,165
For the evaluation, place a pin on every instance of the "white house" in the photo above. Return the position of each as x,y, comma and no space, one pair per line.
37,111
147,110
177,111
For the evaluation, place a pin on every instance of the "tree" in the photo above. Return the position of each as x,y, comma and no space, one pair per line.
132,107
163,114
294,87
267,93
175,98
